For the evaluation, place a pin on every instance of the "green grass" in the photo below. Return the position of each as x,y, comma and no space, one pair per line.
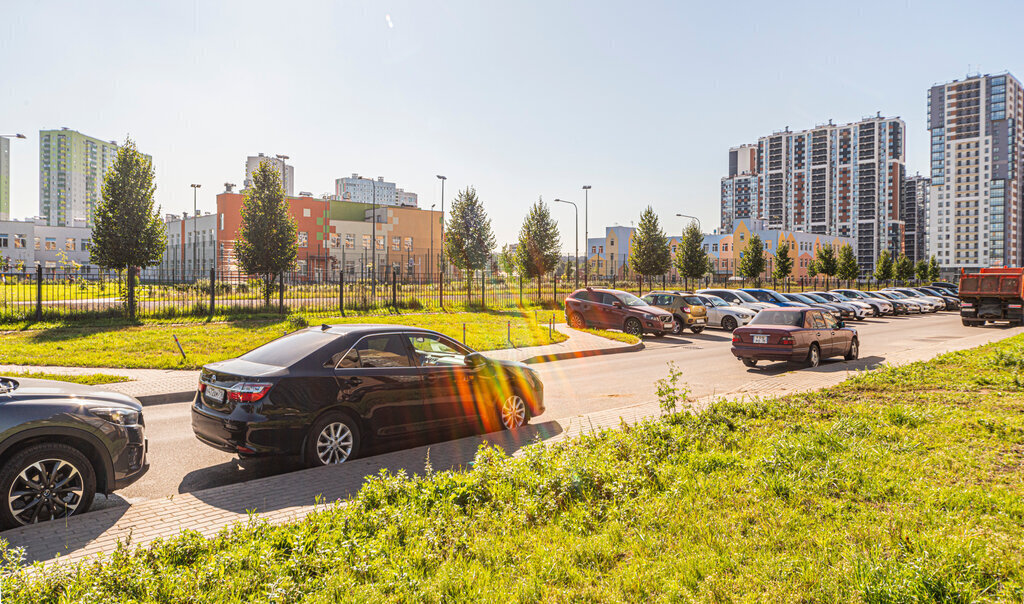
902,485
115,344
618,336
89,379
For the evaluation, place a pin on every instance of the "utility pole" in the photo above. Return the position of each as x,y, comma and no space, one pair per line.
577,210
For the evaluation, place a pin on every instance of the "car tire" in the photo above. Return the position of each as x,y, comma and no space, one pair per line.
333,439
72,473
659,334
576,321
854,352
750,362
697,329
633,327
513,412
678,327
729,323
814,356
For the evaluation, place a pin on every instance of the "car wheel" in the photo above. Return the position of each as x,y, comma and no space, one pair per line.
728,323
576,321
678,327
659,334
750,362
814,356
333,439
633,328
513,412
854,351
44,482
697,329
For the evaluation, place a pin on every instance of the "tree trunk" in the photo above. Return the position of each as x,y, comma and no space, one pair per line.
267,284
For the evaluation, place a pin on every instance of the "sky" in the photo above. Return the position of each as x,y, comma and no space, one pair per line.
521,100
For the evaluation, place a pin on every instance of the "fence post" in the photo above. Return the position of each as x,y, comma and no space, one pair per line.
213,289
280,292
341,292
39,292
483,290
520,289
394,290
554,291
131,293
440,291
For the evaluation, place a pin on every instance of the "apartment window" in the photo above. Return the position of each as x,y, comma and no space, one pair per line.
350,241
601,248
3,240
305,212
725,247
303,239
366,242
37,243
86,245
380,242
396,244
408,244
69,244
51,243
714,247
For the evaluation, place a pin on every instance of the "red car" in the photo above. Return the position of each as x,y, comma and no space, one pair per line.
794,334
614,309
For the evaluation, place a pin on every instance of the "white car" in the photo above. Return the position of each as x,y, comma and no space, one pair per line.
879,306
860,309
737,297
936,302
725,315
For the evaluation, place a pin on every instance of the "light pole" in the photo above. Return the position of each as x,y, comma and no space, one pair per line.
694,218
430,262
586,233
195,229
442,179
577,210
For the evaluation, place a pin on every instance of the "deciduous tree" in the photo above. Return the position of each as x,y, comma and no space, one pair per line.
904,268
847,269
783,263
267,244
826,261
921,270
752,262
933,269
884,266
691,261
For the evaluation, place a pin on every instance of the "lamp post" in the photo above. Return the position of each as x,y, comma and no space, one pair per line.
195,229
430,261
576,273
694,218
586,233
442,179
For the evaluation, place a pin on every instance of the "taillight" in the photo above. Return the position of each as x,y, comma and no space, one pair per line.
248,392
202,386
967,304
736,339
787,341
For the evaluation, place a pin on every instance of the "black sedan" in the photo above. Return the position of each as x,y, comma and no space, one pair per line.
332,393
62,443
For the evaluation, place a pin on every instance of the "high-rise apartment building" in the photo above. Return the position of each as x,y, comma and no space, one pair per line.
914,214
838,180
740,187
71,170
5,178
286,172
367,190
976,142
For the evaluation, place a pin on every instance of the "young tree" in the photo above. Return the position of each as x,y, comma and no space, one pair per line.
783,263
884,267
752,263
921,270
468,239
128,231
507,260
904,268
812,269
691,261
539,243
826,261
933,269
847,268
267,242
648,251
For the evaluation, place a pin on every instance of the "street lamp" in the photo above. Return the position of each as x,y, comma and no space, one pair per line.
586,233
442,179
195,229
694,218
430,262
12,136
577,210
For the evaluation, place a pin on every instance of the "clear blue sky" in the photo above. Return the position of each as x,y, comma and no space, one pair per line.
641,100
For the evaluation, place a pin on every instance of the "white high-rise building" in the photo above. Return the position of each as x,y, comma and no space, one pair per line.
976,141
367,190
278,163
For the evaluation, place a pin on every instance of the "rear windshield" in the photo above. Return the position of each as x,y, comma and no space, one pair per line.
779,317
288,349
693,300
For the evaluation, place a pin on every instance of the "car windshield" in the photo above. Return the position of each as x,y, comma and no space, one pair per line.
800,298
288,349
630,300
742,295
779,317
716,301
896,295
815,297
839,296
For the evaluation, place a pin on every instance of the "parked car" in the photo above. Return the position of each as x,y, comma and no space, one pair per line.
334,392
846,311
803,300
931,303
614,309
952,302
880,307
738,297
909,307
860,309
794,334
946,284
62,443
724,315
687,309
770,297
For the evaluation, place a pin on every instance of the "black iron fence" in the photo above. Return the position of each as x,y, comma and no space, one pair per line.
69,295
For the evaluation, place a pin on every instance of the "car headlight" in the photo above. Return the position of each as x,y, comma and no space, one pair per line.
116,415
649,317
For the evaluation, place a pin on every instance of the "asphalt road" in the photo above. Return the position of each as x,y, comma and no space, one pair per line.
180,464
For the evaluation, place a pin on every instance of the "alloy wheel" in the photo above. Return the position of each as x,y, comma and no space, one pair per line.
728,323
513,412
46,489
334,444
634,328
814,356
576,321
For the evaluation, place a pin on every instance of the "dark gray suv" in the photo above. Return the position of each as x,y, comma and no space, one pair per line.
62,443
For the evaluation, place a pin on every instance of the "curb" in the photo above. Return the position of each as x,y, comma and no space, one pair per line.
166,397
579,354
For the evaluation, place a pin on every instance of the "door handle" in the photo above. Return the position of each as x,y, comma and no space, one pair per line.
354,381
430,378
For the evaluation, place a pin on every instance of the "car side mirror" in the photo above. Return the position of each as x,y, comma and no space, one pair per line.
475,359
840,324
617,304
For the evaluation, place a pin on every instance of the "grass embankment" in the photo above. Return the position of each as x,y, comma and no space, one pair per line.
116,344
903,485
618,336
89,379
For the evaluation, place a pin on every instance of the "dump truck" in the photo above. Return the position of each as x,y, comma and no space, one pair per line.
992,294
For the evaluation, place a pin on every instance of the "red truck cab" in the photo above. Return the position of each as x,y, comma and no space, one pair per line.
992,294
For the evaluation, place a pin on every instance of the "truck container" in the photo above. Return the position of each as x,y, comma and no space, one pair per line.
992,294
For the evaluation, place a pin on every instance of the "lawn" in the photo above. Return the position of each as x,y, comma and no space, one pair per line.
115,344
89,379
902,485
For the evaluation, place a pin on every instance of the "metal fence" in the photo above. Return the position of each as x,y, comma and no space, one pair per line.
69,295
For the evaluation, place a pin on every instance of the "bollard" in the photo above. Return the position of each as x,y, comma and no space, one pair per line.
179,348
463,333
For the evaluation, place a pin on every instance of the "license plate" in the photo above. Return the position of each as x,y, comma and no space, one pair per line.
215,394
701,320
760,339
